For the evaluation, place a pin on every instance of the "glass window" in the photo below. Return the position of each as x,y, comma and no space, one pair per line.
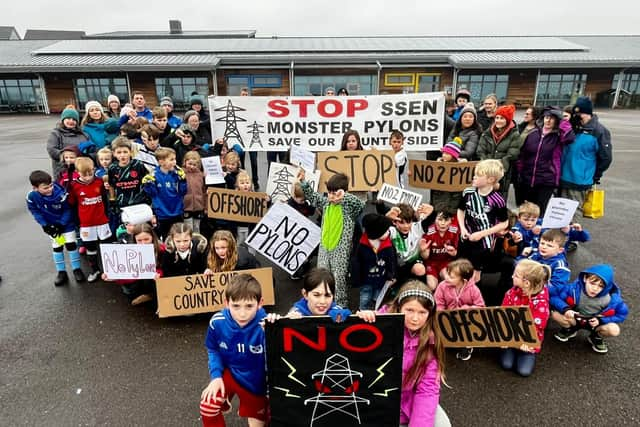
559,89
180,89
98,89
481,85
362,84
399,79
428,83
20,95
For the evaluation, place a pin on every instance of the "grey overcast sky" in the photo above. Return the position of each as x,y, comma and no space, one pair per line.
332,17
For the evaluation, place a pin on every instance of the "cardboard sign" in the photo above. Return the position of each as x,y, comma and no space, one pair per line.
128,261
317,123
323,373
487,327
306,159
199,293
559,212
365,168
285,237
394,195
213,170
233,205
442,176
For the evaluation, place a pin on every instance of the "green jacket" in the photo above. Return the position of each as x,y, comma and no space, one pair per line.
506,151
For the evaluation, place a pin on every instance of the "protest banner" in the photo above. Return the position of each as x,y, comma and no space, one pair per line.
317,123
213,173
285,237
233,205
306,159
559,212
487,327
323,373
365,168
199,293
394,195
280,181
128,261
442,176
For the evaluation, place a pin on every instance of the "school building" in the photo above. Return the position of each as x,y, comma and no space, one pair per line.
46,70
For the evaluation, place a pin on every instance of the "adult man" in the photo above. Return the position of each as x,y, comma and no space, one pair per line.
173,121
140,106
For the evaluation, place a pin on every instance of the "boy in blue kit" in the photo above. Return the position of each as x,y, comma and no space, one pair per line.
592,302
551,252
166,187
49,206
236,348
526,231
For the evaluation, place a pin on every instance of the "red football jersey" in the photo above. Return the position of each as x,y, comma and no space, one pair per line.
438,254
89,202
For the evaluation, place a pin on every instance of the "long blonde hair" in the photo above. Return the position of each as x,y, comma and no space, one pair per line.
535,273
414,290
215,263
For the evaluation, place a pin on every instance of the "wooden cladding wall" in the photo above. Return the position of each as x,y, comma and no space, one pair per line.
599,80
59,91
522,87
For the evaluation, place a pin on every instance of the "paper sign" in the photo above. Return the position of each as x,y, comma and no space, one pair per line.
128,261
280,181
394,195
212,170
442,176
559,212
285,237
304,158
233,205
324,373
317,123
199,293
366,169
487,327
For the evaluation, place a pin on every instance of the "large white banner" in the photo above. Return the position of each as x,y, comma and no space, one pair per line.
317,123
285,237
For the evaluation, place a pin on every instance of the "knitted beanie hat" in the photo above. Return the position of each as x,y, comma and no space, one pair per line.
583,105
70,113
93,104
189,114
375,225
166,101
452,148
463,93
506,111
112,98
195,99
469,108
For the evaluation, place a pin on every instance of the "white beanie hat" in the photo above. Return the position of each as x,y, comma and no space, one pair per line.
112,98
91,104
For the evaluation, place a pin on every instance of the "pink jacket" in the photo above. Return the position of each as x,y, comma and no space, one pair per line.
539,304
448,298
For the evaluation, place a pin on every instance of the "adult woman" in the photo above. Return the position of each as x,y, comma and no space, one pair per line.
539,160
203,136
529,122
487,113
113,107
468,130
100,128
66,133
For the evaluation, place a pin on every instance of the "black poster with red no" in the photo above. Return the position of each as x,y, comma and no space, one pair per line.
322,373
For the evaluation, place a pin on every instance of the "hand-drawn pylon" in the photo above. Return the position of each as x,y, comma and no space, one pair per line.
255,134
283,185
231,128
336,390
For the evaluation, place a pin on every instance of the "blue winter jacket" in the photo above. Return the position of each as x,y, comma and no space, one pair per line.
174,121
560,272
101,134
167,193
569,297
334,310
241,350
53,209
585,160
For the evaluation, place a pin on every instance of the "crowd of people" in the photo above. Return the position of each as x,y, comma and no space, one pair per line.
400,259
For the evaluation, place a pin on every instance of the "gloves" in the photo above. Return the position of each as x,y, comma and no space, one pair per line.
148,178
206,147
52,230
87,147
181,173
339,315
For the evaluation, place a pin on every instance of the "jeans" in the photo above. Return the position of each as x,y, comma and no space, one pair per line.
523,362
368,297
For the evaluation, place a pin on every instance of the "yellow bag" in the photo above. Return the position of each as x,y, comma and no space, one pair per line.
594,203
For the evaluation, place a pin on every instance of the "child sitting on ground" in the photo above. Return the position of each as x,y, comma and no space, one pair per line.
439,246
592,302
525,233
185,252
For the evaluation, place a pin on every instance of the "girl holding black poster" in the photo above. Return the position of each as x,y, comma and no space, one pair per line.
423,361
317,297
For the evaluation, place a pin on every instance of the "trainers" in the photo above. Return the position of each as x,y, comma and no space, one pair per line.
597,343
465,353
79,275
61,279
565,334
141,299
93,276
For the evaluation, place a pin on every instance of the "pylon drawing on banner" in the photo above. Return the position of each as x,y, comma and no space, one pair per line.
255,134
231,128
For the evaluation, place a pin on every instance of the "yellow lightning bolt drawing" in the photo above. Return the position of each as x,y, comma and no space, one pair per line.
293,371
287,394
380,372
386,392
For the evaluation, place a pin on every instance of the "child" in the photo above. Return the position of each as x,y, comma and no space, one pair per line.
482,213
232,168
195,200
551,252
525,233
233,369
396,140
166,187
48,204
374,260
87,193
317,297
529,280
225,255
459,290
340,211
146,152
105,158
592,302
463,96
142,291
243,183
450,199
185,252
100,128
186,142
68,172
439,246
163,122
423,355
351,142
298,202
125,175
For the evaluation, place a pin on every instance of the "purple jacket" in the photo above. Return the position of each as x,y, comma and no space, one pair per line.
541,155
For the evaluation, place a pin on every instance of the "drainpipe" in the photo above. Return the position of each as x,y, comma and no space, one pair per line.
43,95
291,86
455,82
535,93
128,87
214,76
378,82
618,88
